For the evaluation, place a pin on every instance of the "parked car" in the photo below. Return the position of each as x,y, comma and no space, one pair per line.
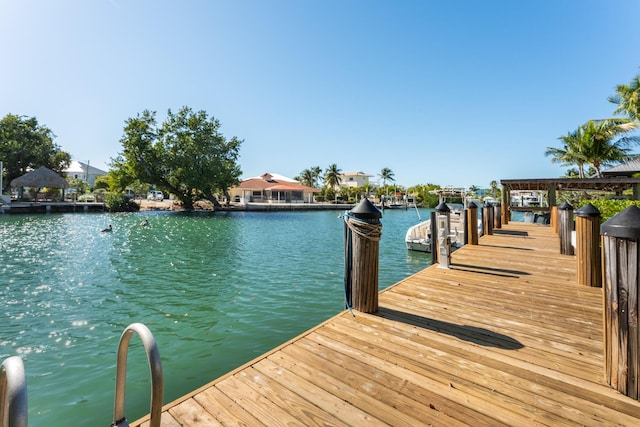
155,195
129,194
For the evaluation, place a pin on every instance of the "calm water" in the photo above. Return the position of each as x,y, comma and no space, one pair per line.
216,290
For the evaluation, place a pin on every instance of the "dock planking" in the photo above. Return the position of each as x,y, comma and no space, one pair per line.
504,337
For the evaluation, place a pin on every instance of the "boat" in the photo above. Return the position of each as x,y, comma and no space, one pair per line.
418,237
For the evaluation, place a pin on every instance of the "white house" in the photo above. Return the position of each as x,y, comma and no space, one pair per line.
84,171
355,179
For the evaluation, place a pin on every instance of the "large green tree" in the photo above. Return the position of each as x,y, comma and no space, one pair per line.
186,156
27,145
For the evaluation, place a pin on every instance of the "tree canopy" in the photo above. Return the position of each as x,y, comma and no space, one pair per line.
186,156
627,98
26,145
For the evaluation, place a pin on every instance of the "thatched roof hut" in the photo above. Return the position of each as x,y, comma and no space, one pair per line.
39,178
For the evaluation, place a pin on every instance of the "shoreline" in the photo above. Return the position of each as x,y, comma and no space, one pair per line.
200,206
165,205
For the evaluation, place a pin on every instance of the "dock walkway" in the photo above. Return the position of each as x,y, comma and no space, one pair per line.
505,337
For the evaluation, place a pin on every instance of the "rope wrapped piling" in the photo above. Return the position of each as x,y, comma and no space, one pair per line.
362,242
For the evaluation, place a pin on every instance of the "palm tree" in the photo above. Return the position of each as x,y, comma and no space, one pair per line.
627,98
316,172
594,143
387,175
599,146
306,178
332,178
571,153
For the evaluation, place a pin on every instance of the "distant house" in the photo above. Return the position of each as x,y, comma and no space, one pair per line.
84,171
355,179
271,188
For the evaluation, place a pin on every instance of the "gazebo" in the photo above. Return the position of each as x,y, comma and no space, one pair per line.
40,178
552,185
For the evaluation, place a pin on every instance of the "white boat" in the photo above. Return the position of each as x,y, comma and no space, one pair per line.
418,237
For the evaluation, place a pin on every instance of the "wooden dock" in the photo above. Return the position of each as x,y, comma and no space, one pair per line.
505,337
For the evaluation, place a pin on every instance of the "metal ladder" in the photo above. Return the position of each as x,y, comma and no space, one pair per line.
155,367
13,384
13,393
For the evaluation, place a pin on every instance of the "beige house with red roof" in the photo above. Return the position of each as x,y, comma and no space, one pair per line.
271,188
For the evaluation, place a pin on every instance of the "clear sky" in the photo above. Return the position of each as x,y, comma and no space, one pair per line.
446,92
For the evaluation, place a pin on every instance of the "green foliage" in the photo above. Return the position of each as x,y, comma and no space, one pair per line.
424,196
118,203
609,208
26,145
186,156
78,184
332,176
102,182
627,98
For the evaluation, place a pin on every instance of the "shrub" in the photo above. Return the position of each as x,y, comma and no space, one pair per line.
119,203
609,208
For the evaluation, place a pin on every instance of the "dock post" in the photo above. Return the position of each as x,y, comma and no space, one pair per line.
620,244
553,218
487,219
363,230
506,206
565,228
497,223
443,214
472,223
588,246
433,231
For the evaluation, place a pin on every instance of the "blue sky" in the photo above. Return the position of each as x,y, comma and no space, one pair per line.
445,92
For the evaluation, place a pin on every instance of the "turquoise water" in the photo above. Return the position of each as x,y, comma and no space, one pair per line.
216,290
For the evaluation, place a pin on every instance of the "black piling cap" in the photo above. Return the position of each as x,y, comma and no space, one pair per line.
588,211
366,210
565,207
472,205
625,225
442,208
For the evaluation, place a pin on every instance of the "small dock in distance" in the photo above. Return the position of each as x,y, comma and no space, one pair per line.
504,337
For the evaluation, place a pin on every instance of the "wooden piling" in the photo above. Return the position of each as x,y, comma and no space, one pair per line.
472,224
433,227
506,204
620,241
497,223
487,219
363,238
553,218
565,212
587,250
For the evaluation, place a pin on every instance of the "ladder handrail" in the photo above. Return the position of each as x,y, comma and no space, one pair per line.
13,393
155,368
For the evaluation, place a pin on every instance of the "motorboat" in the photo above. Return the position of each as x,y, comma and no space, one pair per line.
418,237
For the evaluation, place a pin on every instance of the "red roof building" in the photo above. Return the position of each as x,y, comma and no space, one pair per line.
269,188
